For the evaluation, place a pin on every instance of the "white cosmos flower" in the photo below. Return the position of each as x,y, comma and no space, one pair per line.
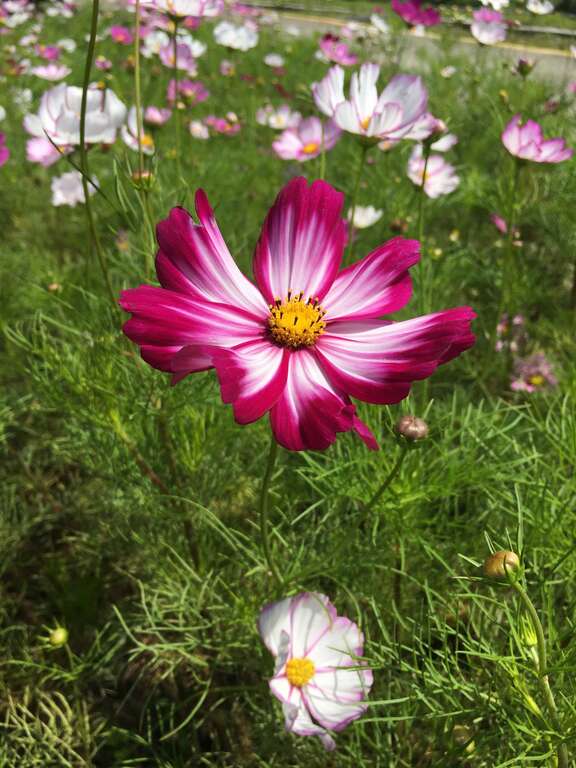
67,44
239,37
279,118
274,60
67,189
540,7
440,177
380,24
182,8
59,116
391,115
154,42
129,134
496,4
317,675
365,216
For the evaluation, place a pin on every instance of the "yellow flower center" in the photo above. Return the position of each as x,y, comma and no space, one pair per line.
310,148
365,123
299,671
147,140
296,323
537,380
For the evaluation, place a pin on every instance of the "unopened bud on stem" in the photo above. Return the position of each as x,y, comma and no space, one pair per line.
412,428
501,564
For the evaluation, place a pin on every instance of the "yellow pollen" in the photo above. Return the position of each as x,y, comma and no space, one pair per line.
296,323
365,123
310,148
299,671
537,380
147,141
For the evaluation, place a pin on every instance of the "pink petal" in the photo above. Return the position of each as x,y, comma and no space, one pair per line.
252,377
169,321
195,258
377,362
311,411
376,285
302,240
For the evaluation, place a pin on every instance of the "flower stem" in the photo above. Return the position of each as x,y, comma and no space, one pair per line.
84,154
541,668
264,509
361,164
422,294
393,473
176,94
508,278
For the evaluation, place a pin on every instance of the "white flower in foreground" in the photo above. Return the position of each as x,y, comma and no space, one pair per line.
317,676
67,44
440,177
391,115
365,216
239,37
540,7
2,114
496,4
51,71
67,189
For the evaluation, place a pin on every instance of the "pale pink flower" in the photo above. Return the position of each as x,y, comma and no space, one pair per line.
184,60
389,116
67,189
527,142
488,27
190,91
229,126
440,178
129,135
337,51
533,374
307,337
156,116
304,142
48,52
198,130
102,63
318,675
279,118
52,71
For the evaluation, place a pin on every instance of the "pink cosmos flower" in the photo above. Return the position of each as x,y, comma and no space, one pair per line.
499,223
305,141
317,674
228,125
102,63
488,27
156,115
533,373
303,340
412,13
121,35
184,59
440,178
4,151
527,142
192,92
48,52
389,116
52,71
336,51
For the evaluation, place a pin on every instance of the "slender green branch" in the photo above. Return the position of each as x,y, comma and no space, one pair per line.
176,94
84,155
392,474
264,509
507,287
364,151
423,303
542,669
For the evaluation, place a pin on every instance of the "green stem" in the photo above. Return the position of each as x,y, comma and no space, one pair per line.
542,669
176,97
323,166
361,164
393,473
264,509
508,278
422,266
84,154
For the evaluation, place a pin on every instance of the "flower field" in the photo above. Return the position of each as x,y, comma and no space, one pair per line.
288,404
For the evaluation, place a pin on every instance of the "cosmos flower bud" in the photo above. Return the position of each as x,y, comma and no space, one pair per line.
412,428
524,67
58,637
501,564
143,179
527,632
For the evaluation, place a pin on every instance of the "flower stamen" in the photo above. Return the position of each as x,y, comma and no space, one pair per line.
296,323
299,671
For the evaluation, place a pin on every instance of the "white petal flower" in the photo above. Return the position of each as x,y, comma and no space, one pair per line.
365,216
67,189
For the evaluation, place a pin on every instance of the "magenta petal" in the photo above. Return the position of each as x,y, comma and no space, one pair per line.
311,411
252,377
376,285
377,362
199,254
302,241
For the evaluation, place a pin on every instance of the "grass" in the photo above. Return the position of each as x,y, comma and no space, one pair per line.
113,482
